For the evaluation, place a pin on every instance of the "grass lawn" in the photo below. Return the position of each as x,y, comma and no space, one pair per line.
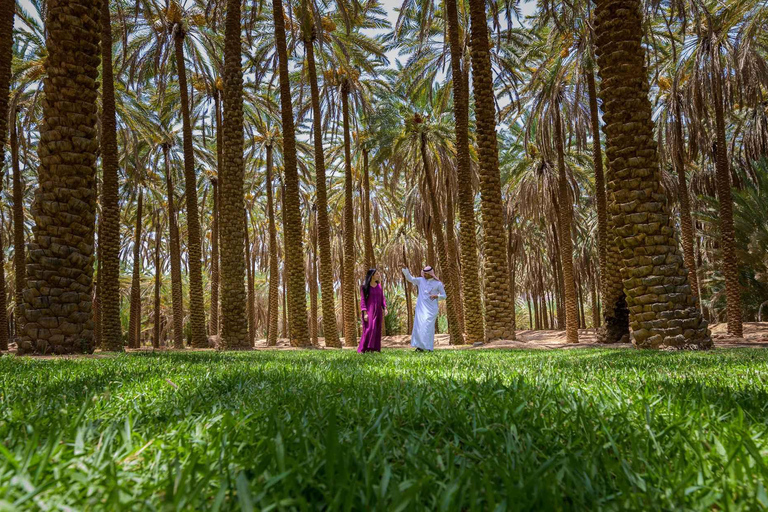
453,430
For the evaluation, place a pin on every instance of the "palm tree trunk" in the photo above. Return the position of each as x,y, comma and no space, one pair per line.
370,257
597,159
450,247
3,308
7,9
213,324
473,306
134,322
109,293
235,325
196,304
294,256
58,300
566,242
313,335
498,309
251,306
430,242
158,283
727,233
593,298
173,229
446,264
652,264
274,276
408,298
330,332
19,263
350,317
96,292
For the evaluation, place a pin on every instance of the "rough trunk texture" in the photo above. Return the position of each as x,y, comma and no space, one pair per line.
312,278
7,9
473,306
19,252
158,284
57,299
194,254
447,266
566,242
294,257
370,257
251,304
686,222
234,323
450,248
173,231
213,323
349,289
109,292
274,276
727,233
661,305
134,321
330,332
498,310
597,159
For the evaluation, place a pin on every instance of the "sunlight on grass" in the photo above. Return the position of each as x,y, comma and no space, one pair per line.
453,430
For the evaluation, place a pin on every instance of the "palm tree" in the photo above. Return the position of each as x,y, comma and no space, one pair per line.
19,264
134,323
725,63
109,291
499,311
294,252
234,334
158,283
175,243
323,229
473,306
7,8
196,306
652,263
57,301
213,323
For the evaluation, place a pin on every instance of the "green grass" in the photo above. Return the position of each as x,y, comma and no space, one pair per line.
453,430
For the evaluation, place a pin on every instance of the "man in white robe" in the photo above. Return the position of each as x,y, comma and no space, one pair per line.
430,292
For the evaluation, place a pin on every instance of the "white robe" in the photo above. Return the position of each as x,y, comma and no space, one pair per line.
423,336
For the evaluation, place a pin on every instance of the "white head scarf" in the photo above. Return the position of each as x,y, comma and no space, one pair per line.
430,271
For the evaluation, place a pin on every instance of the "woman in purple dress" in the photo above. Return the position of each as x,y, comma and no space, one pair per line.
374,309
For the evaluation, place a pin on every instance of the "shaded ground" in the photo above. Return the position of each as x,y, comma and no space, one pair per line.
755,335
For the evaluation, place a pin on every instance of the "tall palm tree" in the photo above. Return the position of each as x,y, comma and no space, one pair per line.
19,252
652,264
473,306
175,250
499,310
109,291
7,8
725,63
158,283
134,322
57,301
309,32
177,28
213,322
294,257
234,333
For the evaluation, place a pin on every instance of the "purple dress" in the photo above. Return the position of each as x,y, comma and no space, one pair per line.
370,341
